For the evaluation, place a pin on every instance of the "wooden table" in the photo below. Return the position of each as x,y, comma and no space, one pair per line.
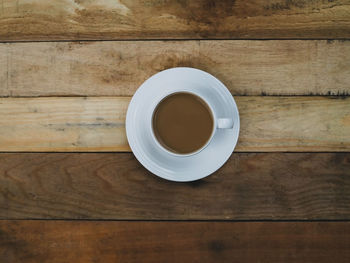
71,191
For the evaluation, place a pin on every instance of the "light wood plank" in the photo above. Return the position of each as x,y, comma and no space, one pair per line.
294,124
158,19
63,124
250,186
118,68
268,124
72,241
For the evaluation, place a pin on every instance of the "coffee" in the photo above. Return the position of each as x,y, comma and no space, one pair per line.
182,123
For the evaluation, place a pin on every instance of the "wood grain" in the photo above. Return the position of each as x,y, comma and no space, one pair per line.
158,19
72,241
119,68
294,124
250,186
63,124
268,124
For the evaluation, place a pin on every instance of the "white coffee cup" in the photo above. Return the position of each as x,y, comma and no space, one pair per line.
219,122
181,167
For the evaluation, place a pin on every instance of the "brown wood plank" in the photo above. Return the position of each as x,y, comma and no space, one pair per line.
63,124
250,186
118,68
74,241
150,19
268,124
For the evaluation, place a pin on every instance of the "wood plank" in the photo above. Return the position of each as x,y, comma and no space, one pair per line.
268,124
73,241
63,124
250,186
118,68
158,19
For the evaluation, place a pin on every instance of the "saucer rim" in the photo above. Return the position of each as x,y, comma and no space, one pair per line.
140,155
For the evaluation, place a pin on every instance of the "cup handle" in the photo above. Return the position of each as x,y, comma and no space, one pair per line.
225,123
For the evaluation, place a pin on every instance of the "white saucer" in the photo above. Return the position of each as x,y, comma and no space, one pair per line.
155,158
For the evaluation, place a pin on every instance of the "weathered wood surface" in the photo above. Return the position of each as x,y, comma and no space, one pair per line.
250,186
63,124
72,241
268,124
161,19
118,68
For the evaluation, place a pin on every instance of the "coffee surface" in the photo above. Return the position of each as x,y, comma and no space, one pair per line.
182,123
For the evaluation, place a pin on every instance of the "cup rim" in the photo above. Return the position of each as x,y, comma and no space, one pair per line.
211,135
